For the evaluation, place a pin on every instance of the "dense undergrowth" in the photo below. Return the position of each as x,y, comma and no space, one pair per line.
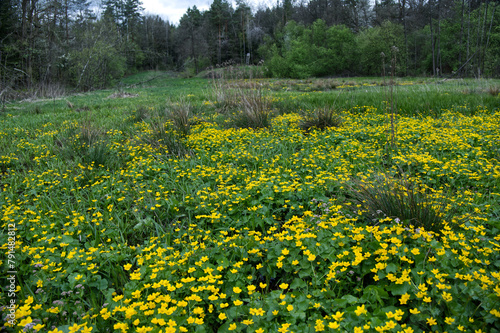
150,214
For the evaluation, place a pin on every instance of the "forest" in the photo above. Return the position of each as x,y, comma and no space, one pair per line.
47,46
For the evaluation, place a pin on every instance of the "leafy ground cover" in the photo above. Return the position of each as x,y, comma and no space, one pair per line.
128,221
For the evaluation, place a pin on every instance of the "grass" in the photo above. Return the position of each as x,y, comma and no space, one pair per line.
402,201
128,222
321,119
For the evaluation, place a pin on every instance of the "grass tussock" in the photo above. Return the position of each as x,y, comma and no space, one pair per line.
179,113
403,201
494,90
321,119
165,139
86,143
244,99
254,109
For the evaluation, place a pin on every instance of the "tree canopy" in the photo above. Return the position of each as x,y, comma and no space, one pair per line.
70,42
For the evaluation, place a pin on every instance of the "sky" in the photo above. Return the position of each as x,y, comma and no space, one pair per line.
174,9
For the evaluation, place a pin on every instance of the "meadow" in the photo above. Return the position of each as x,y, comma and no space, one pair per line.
253,205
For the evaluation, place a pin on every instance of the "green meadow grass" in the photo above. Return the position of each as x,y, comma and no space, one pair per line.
164,210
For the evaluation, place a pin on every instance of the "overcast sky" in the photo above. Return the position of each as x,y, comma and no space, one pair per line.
174,9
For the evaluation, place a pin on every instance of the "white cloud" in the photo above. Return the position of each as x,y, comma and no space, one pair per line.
173,10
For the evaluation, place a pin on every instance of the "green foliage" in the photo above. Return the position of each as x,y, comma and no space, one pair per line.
255,229
97,66
316,51
99,60
372,43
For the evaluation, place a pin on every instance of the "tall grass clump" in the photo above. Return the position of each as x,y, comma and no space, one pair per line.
223,89
162,137
244,99
321,119
254,108
402,201
179,113
140,114
494,91
85,142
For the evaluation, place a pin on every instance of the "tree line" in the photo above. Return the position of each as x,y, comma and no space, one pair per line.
87,46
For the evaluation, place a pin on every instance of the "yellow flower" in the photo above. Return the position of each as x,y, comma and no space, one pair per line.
283,286
333,325
232,327
236,290
338,316
247,322
431,321
404,298
160,321
25,321
38,327
222,316
127,267
237,302
56,330
449,320
284,328
360,310
289,307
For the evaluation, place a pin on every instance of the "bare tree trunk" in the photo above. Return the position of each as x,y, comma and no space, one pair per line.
440,68
195,58
460,41
489,32
468,33
483,49
432,43
66,19
478,45
403,12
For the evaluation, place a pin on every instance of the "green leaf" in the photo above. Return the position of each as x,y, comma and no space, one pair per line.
398,289
391,268
350,299
298,283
